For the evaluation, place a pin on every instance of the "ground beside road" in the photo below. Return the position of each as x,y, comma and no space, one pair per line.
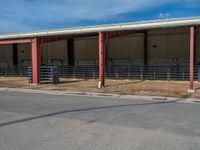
130,87
57,122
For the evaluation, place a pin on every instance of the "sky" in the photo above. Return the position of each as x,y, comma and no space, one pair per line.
29,15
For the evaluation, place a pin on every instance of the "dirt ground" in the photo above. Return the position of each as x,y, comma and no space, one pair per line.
131,87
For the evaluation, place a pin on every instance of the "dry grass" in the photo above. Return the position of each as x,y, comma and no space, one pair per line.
132,87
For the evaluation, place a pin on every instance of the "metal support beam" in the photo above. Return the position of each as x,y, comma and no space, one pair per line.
15,55
145,49
102,53
195,47
36,60
70,49
192,36
48,39
114,34
15,41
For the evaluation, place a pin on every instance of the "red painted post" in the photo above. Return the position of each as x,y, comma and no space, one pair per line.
191,87
101,59
36,58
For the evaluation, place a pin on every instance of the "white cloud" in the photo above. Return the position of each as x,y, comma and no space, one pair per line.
74,9
164,15
26,14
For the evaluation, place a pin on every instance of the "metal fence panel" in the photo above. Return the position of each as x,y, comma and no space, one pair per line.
154,72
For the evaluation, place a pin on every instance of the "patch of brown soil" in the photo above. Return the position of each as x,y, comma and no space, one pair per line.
131,87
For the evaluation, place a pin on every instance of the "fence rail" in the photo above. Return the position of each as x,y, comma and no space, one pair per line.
157,72
132,72
14,71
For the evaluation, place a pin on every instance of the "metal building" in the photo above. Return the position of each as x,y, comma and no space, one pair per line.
152,49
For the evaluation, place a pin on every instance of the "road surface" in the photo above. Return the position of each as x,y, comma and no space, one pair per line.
60,122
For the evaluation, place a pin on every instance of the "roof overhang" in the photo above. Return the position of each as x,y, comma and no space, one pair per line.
145,25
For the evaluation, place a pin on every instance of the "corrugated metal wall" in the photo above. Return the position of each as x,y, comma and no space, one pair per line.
197,44
24,54
86,51
165,46
6,55
55,53
120,50
168,46
126,50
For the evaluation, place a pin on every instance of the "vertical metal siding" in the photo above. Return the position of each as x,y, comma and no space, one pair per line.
24,54
5,55
86,50
55,51
197,46
126,50
168,46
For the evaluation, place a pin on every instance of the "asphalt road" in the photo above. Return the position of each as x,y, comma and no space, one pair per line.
58,122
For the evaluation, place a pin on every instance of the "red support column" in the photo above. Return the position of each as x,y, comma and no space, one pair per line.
36,58
192,32
102,52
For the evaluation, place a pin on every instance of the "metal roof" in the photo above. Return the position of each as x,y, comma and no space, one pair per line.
165,23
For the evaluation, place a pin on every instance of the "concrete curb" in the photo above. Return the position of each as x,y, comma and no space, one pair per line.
101,95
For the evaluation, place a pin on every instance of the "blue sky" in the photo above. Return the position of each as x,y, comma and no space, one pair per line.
28,15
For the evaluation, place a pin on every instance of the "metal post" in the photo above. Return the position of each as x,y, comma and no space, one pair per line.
36,58
142,74
168,74
93,72
73,70
101,59
191,86
198,73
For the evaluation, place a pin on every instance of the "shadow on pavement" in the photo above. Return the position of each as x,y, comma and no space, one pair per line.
90,109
